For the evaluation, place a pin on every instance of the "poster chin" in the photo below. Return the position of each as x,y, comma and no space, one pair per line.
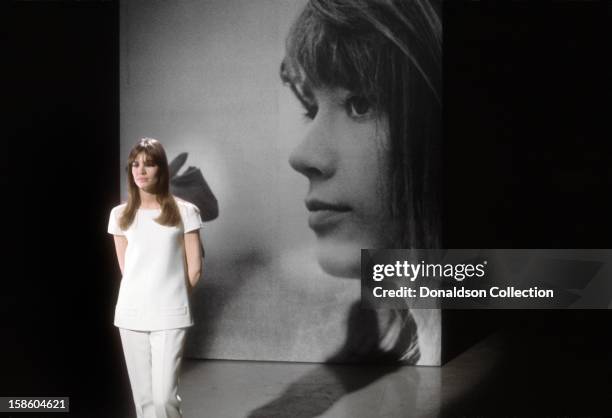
266,150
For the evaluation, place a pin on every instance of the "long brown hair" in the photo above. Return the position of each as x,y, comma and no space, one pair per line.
154,152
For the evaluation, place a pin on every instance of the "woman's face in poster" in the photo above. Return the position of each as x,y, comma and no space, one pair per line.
344,157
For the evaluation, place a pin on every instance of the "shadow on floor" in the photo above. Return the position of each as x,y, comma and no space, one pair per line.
318,390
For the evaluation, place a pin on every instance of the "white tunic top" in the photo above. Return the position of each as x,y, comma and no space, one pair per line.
153,292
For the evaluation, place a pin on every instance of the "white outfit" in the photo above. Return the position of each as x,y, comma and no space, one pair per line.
153,293
152,310
153,361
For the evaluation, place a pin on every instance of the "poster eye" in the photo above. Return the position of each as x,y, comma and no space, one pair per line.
358,106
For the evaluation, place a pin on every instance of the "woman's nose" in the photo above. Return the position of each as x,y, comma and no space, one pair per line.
315,156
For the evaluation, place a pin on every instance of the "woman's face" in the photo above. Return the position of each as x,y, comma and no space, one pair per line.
144,173
344,157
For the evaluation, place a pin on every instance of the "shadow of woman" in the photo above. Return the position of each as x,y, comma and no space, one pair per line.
365,360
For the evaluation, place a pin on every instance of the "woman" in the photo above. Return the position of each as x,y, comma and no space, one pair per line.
158,249
368,74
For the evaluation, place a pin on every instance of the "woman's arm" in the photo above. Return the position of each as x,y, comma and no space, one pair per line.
194,257
120,246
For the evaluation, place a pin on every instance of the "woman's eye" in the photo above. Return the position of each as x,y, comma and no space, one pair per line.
358,106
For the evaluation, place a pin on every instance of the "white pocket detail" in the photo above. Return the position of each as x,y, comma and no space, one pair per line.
174,311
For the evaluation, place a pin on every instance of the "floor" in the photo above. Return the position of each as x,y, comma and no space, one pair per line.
230,389
544,364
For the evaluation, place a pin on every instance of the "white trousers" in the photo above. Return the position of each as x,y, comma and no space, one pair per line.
153,360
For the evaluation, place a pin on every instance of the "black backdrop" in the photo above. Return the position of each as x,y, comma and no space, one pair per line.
62,178
526,165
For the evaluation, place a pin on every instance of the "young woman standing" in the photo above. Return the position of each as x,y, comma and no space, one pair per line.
158,249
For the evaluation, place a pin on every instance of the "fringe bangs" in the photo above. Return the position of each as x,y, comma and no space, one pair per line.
322,52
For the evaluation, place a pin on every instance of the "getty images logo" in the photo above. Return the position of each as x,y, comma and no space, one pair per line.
413,271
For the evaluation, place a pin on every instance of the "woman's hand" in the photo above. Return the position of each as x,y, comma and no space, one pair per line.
193,256
120,246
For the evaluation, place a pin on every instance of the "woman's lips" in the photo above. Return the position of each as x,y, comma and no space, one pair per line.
324,215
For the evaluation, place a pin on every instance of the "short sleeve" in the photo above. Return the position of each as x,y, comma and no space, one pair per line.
113,224
192,220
